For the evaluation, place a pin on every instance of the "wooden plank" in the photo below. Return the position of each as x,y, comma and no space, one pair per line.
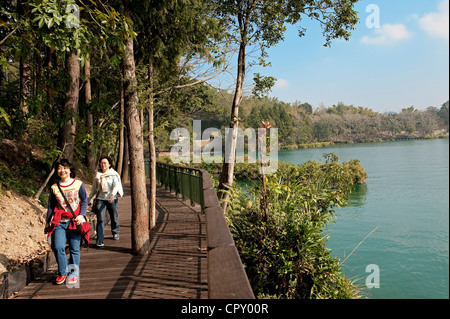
174,268
177,265
210,198
207,182
226,275
217,228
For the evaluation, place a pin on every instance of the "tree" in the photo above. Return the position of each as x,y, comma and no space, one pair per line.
99,24
305,106
140,235
171,34
443,113
55,28
70,106
49,18
258,22
91,160
139,229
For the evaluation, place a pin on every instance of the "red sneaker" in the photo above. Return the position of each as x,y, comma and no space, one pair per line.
60,279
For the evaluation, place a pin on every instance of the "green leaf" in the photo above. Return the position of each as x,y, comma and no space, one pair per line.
5,116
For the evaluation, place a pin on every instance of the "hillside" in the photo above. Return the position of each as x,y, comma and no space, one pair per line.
22,235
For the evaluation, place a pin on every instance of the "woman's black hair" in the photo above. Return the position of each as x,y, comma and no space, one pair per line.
108,158
65,163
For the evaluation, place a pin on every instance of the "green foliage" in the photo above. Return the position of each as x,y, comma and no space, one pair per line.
263,84
194,34
5,116
443,113
12,120
356,170
71,27
22,183
284,253
50,18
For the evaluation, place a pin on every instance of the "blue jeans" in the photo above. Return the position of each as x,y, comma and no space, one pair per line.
61,235
101,208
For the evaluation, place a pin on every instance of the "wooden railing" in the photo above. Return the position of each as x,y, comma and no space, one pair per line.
184,181
226,275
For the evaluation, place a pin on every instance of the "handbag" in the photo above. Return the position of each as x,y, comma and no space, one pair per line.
94,203
79,228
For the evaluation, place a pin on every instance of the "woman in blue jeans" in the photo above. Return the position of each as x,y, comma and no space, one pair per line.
60,222
106,186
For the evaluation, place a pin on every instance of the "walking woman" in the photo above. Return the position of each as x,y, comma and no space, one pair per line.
106,186
60,222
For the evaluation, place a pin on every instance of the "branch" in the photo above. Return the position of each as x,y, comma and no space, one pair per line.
206,78
199,81
38,193
112,108
15,29
374,230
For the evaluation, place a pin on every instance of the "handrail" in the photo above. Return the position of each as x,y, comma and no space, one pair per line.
226,275
182,180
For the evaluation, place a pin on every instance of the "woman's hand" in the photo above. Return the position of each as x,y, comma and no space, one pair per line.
79,219
111,198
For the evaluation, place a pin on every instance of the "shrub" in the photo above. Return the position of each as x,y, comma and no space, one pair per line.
284,251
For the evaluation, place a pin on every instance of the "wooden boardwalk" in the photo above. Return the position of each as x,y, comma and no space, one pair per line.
175,267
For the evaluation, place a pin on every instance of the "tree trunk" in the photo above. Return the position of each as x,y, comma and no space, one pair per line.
90,120
24,65
125,169
25,78
151,148
226,179
50,91
120,157
71,105
139,228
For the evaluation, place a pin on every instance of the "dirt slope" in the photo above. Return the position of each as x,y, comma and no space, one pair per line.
22,235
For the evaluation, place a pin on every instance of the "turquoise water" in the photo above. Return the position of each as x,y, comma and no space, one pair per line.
406,202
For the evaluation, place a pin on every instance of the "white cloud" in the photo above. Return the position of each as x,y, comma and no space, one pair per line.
388,34
437,23
282,84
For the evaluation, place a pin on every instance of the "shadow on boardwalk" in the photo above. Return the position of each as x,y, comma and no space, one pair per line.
175,267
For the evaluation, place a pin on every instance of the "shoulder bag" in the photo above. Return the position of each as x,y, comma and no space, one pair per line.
79,227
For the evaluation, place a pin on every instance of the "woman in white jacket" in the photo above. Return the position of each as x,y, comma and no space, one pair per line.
106,186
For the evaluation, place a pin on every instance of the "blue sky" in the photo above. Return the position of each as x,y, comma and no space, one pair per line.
402,62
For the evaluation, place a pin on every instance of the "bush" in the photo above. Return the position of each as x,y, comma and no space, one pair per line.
356,170
284,251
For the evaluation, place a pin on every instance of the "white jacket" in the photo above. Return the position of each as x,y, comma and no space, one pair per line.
106,184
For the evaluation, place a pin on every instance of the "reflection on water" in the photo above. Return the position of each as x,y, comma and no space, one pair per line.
357,198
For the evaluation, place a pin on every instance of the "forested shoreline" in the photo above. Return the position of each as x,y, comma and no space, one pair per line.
302,126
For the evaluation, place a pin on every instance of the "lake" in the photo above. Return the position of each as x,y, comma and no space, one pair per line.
406,201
